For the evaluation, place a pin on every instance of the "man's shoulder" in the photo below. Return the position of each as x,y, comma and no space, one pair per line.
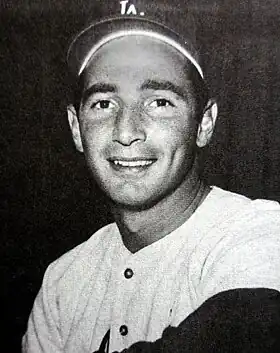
232,217
243,224
242,248
241,207
78,259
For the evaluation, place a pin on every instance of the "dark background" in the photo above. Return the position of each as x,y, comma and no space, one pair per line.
48,203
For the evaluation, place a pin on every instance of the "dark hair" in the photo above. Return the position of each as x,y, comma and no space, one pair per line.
200,92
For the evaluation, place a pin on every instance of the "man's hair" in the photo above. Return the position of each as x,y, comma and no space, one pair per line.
199,91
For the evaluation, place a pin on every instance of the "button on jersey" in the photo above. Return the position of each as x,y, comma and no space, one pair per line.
128,273
123,330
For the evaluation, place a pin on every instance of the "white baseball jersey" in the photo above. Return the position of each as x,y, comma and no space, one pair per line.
229,242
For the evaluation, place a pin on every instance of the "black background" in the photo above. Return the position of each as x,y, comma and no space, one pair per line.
48,203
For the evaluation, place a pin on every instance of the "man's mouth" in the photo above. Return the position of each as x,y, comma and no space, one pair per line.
133,164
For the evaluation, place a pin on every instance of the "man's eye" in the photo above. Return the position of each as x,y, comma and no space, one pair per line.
103,104
161,102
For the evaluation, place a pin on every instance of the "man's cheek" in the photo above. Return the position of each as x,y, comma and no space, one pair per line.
90,135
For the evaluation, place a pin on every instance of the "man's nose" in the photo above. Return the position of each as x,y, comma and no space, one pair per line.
129,127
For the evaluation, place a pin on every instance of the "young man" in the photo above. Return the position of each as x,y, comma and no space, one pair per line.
185,267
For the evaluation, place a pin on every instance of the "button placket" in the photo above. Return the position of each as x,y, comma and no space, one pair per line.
125,287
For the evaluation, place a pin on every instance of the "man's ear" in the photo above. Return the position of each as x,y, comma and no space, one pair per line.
207,124
75,127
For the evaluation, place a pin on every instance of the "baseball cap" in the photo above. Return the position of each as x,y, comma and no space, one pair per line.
171,22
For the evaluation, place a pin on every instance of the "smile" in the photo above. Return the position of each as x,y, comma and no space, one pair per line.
133,164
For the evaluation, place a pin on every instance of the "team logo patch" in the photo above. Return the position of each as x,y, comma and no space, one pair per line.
128,8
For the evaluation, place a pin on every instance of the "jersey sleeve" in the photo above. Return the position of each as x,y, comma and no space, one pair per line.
247,257
234,321
42,335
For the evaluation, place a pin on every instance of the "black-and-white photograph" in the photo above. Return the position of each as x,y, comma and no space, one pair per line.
140,176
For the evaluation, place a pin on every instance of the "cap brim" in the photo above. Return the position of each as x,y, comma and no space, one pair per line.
98,34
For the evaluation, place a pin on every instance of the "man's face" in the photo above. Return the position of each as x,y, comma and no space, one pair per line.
136,120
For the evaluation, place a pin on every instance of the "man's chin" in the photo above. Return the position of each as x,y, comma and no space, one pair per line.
135,203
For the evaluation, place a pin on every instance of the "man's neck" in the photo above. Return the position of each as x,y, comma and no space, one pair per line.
141,228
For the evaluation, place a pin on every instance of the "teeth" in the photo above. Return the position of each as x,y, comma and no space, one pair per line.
132,163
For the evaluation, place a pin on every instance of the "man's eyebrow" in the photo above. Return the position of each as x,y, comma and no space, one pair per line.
165,86
98,88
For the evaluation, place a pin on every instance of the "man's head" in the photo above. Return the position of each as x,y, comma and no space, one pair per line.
142,112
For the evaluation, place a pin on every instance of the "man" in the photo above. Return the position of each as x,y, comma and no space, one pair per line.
185,267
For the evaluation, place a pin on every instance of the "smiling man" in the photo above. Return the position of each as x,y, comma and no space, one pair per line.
137,123
185,267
